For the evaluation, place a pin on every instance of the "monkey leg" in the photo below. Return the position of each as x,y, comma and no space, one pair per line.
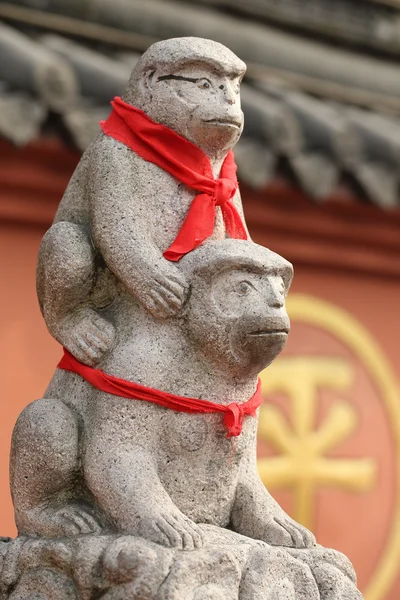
45,473
66,278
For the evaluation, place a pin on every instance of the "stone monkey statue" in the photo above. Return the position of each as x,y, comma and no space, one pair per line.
143,479
85,461
120,212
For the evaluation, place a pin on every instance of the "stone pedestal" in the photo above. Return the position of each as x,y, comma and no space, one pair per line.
118,567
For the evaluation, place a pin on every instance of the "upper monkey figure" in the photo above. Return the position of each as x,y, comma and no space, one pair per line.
157,182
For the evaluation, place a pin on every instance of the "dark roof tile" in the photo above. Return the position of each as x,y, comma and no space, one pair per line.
21,117
319,140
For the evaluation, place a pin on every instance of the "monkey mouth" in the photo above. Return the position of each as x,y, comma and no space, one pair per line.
225,122
265,332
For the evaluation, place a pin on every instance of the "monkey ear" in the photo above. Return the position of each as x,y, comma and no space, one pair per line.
287,276
148,79
143,86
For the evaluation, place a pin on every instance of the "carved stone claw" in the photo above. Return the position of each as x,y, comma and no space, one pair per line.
88,336
165,296
283,531
64,521
174,530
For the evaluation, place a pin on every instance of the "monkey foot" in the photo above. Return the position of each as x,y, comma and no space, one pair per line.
284,531
87,336
64,521
177,531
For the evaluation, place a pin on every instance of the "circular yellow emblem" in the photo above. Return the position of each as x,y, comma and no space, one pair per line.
321,443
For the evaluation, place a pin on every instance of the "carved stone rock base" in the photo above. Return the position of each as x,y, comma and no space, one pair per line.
119,567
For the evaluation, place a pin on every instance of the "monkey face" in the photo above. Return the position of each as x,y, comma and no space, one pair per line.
199,103
241,322
261,329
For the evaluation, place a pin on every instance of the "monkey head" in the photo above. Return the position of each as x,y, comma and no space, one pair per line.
192,86
236,314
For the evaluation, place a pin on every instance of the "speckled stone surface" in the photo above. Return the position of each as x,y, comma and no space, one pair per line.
124,499
118,567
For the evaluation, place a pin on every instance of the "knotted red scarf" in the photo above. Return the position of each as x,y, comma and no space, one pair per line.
234,413
186,162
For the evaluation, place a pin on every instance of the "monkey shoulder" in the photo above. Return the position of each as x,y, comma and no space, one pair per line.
74,203
121,177
111,174
114,162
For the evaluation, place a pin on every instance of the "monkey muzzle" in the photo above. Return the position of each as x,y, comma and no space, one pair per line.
236,124
257,342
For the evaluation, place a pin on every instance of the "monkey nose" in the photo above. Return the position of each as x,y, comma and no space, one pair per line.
276,302
229,96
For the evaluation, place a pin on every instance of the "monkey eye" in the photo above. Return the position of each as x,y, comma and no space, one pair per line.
243,288
203,84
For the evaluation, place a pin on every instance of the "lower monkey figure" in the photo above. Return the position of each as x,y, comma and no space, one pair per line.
108,463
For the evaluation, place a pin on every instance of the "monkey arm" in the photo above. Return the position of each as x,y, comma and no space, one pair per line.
126,485
119,217
253,503
256,514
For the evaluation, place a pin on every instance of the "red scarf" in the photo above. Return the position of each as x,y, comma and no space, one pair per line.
186,162
234,413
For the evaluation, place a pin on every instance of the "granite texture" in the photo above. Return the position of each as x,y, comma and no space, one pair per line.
116,498
118,567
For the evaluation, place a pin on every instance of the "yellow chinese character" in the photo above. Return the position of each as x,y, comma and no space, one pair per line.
301,464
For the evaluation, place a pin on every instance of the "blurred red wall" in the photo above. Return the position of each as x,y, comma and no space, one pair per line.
344,254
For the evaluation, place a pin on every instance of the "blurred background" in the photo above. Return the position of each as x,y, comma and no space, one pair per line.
319,171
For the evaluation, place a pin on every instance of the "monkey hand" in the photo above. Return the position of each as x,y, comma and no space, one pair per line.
171,528
162,291
281,530
86,335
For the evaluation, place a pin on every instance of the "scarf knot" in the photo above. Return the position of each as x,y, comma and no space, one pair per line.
186,162
224,191
233,419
